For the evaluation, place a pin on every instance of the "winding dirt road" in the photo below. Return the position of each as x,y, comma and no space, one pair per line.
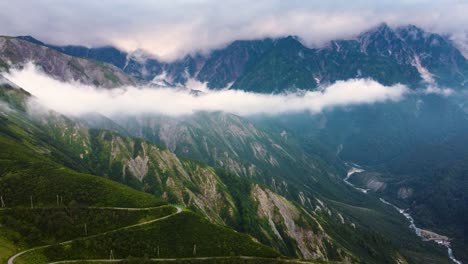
177,259
179,210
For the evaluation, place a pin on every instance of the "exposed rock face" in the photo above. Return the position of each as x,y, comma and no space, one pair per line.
223,140
138,166
225,66
405,193
282,214
375,185
15,52
185,182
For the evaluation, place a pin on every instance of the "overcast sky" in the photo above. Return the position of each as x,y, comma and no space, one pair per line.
173,28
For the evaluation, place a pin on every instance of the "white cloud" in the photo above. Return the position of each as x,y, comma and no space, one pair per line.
439,91
76,98
171,29
5,108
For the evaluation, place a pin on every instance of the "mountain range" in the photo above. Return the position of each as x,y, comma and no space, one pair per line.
274,183
406,55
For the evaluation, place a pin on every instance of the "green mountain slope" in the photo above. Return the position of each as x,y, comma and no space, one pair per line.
205,190
179,236
155,170
27,171
63,200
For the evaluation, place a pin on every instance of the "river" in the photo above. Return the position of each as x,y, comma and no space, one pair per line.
424,234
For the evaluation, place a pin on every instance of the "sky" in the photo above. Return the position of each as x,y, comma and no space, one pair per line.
171,29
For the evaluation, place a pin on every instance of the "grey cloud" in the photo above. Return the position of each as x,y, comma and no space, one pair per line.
171,29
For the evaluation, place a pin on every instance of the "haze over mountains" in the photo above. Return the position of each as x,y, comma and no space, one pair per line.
104,128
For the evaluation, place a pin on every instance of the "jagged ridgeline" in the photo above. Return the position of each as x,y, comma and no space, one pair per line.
248,188
387,55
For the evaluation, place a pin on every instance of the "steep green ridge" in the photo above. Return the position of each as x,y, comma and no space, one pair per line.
270,226
156,170
185,182
237,144
42,226
29,171
209,260
221,140
182,235
249,218
26,171
160,230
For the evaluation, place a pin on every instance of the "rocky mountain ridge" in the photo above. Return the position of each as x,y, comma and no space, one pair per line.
405,55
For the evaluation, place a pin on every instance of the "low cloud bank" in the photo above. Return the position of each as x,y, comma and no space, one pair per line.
73,98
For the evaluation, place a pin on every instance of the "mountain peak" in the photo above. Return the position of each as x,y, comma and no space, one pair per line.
380,40
289,41
411,32
410,27
31,39
381,30
383,27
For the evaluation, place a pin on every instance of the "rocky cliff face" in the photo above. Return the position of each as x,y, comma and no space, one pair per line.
16,52
221,140
291,223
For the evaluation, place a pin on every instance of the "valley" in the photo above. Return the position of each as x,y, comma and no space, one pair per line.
102,185
425,235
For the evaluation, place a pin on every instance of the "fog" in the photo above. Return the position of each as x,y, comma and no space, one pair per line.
73,98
